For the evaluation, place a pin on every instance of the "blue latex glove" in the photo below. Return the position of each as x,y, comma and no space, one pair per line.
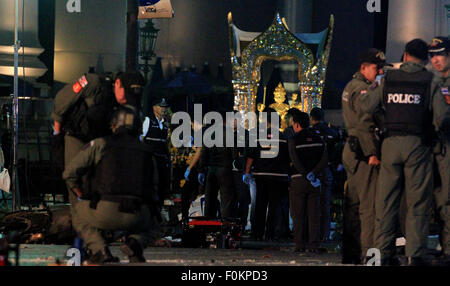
201,179
186,174
246,178
310,177
315,183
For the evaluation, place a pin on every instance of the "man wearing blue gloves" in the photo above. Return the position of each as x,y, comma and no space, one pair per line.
309,157
271,177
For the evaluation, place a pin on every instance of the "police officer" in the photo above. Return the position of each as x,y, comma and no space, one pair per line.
406,98
156,135
361,160
330,137
308,154
191,189
120,194
239,162
216,173
440,59
270,162
82,112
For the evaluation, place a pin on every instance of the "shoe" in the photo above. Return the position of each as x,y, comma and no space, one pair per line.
299,250
417,261
102,256
317,250
443,260
392,261
133,250
351,260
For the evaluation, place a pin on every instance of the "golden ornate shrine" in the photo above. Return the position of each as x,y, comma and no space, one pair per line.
278,43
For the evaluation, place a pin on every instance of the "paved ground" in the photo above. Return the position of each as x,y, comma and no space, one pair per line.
255,254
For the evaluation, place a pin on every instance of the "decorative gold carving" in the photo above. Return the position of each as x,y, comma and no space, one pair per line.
277,43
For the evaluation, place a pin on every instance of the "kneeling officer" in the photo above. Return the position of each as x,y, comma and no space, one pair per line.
120,194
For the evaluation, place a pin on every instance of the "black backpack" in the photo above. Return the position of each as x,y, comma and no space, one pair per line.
87,123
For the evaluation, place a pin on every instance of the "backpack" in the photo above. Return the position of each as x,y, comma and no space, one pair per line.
89,122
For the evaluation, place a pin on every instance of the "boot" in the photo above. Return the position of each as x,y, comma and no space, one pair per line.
102,256
392,261
443,260
133,250
417,261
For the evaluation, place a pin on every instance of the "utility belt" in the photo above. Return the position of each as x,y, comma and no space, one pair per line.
127,204
355,147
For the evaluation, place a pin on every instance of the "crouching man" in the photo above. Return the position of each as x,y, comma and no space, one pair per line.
120,192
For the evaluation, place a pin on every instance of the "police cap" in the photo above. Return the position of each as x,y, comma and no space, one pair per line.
160,102
418,49
439,46
373,56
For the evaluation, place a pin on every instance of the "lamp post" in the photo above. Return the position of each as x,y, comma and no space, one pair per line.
15,175
147,42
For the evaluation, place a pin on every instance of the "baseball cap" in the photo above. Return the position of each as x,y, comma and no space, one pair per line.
374,56
418,49
439,46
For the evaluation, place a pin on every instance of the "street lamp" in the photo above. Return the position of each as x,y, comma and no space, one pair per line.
147,42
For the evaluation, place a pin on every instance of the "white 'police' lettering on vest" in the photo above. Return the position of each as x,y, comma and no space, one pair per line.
404,98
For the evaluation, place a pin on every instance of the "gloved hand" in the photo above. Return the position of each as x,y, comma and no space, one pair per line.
310,177
316,183
201,179
246,178
186,174
313,180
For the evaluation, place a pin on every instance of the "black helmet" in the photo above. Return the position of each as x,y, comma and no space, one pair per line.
133,83
126,118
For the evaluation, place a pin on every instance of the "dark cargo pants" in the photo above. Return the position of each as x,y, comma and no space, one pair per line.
220,178
305,211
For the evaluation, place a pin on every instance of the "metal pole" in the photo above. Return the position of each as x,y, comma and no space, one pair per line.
15,177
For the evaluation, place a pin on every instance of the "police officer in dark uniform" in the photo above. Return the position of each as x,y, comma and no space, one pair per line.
309,156
216,173
330,137
405,95
239,162
120,194
270,162
156,135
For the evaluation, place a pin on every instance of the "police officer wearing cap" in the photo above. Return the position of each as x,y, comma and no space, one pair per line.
361,160
120,194
440,59
406,163
82,112
156,135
